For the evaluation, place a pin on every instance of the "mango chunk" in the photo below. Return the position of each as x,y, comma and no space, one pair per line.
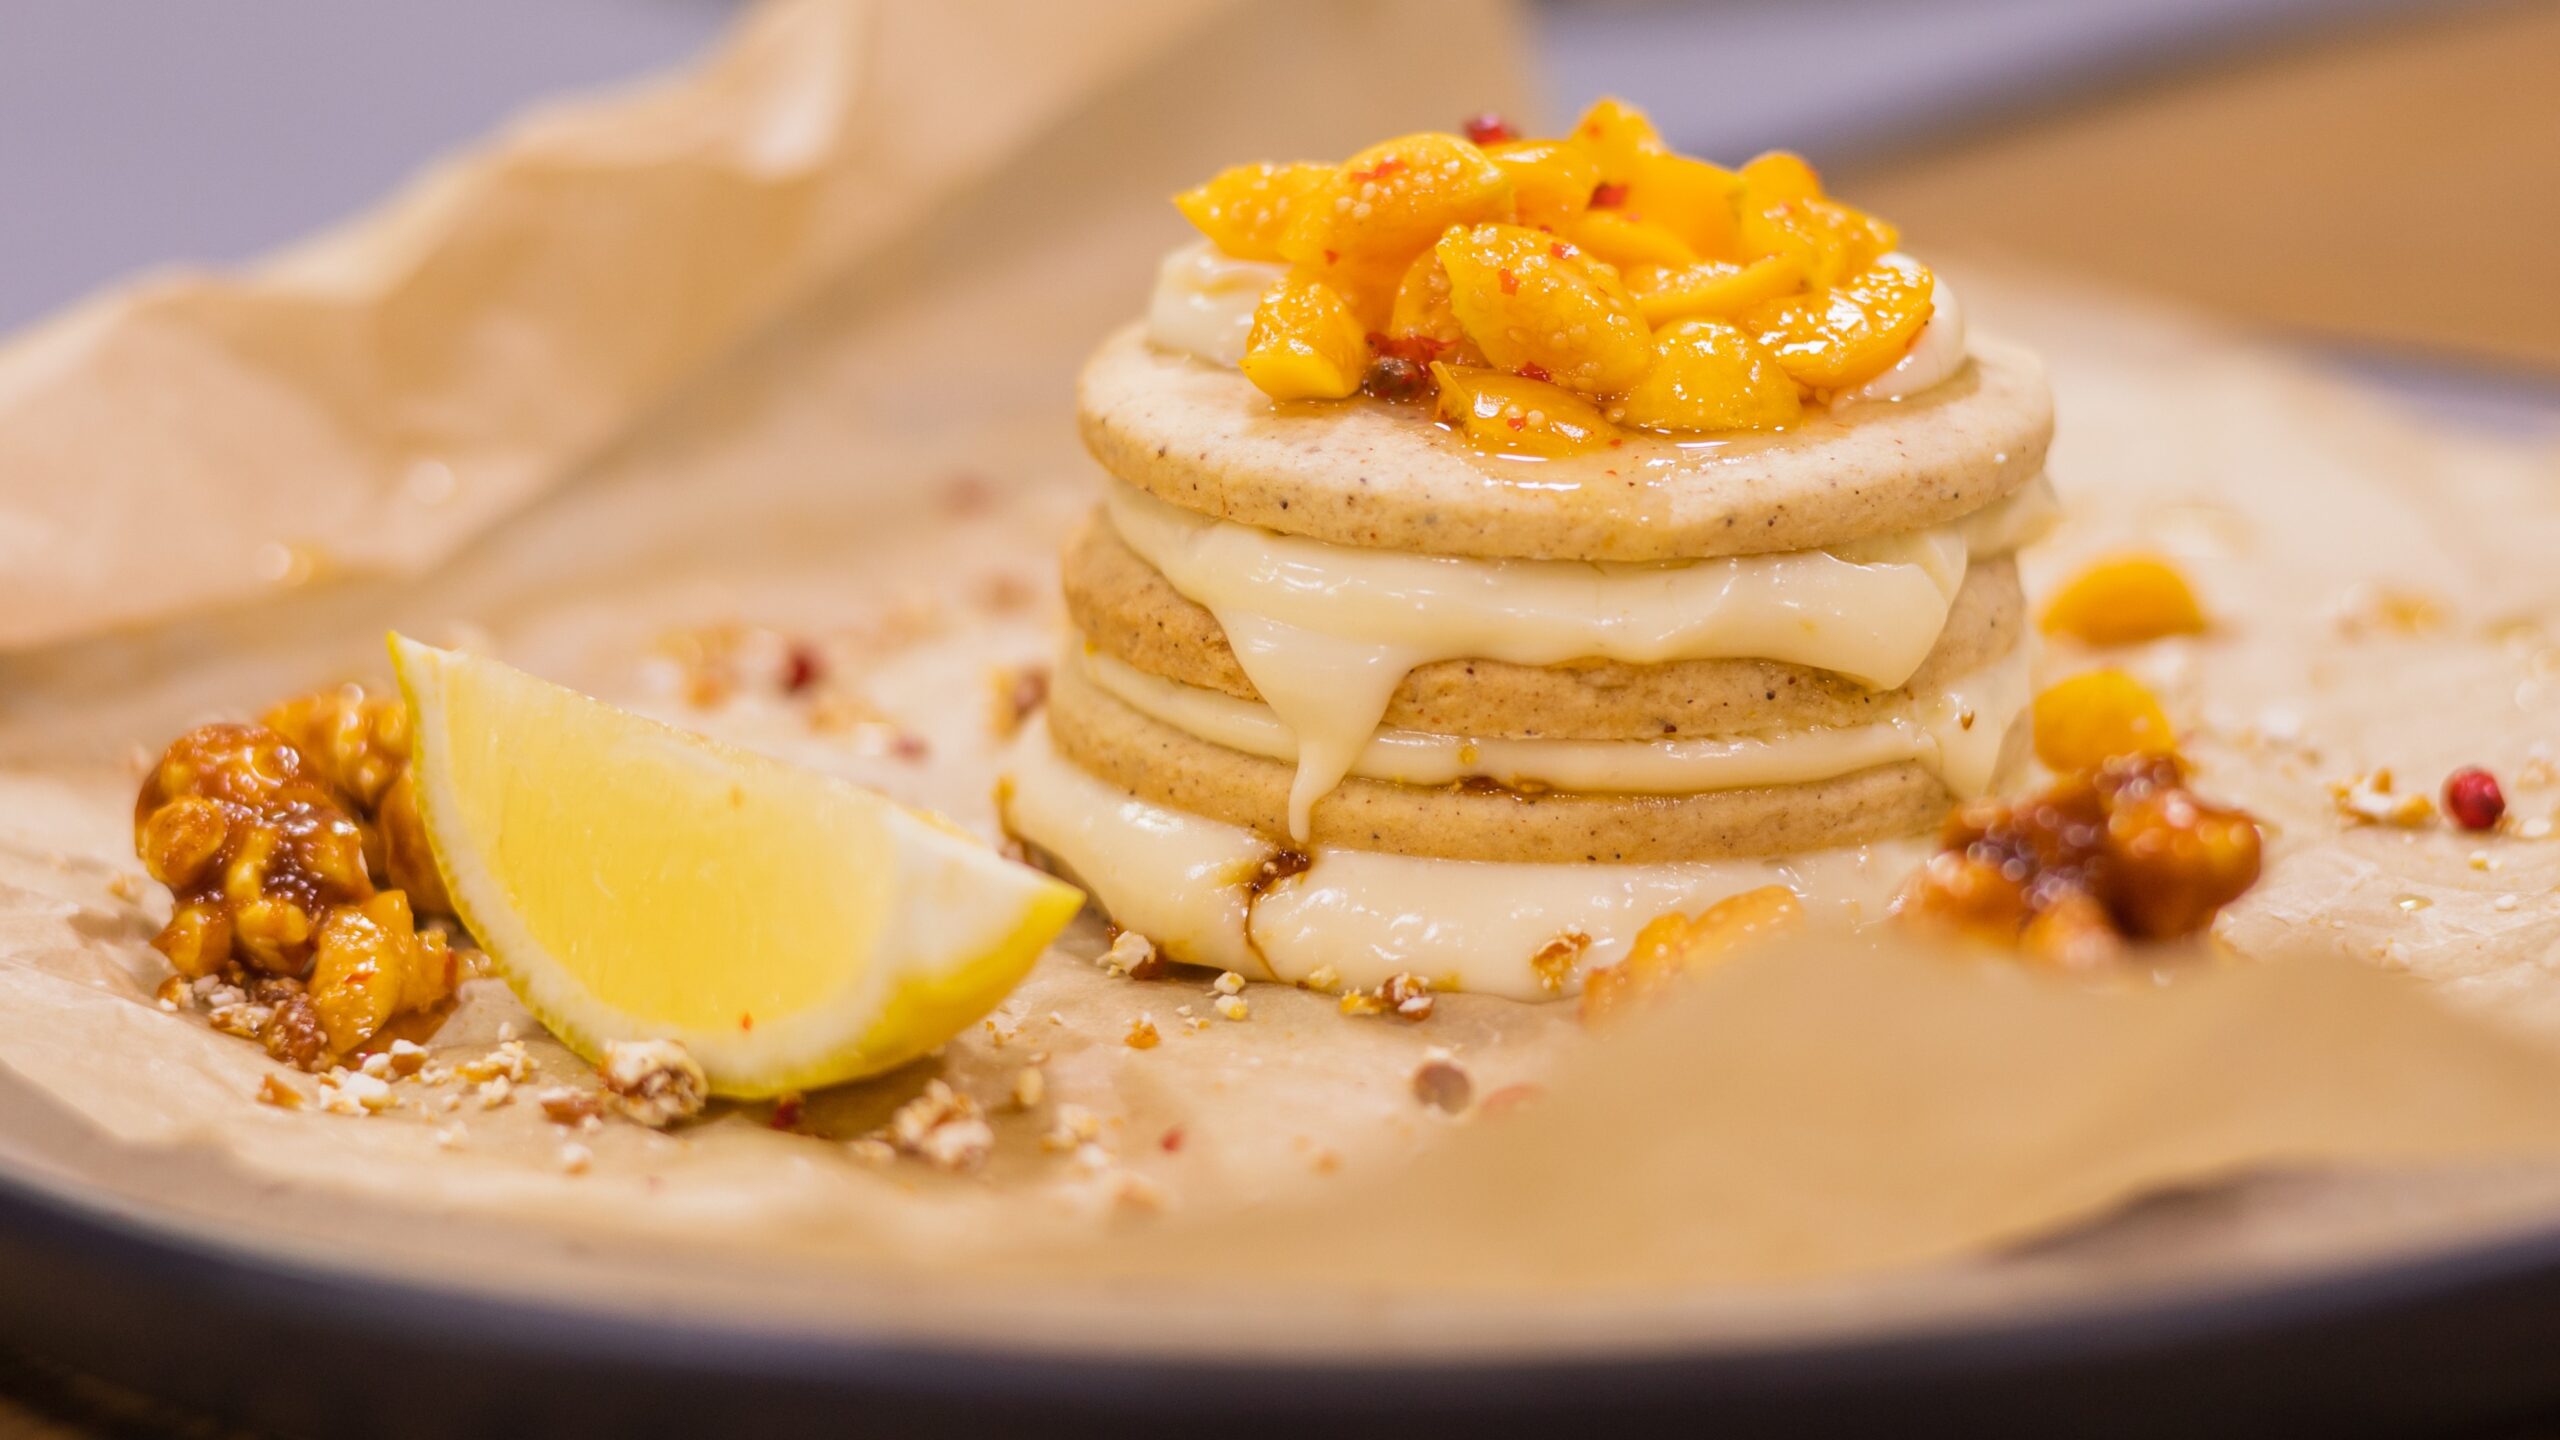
1306,344
1779,176
1710,375
2125,600
1515,415
1828,238
2097,716
1622,242
1673,945
1696,201
1833,339
1541,306
1711,289
1422,314
1392,200
1551,180
1245,209
1615,133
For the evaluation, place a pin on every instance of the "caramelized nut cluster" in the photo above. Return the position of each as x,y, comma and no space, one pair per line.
273,839
2121,852
1552,291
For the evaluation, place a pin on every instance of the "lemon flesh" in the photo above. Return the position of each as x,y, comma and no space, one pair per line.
632,881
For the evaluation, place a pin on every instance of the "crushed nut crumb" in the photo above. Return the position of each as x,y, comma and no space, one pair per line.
562,1105
1233,1007
1229,983
1132,956
943,1128
655,1082
575,1158
344,1092
273,1090
1071,1126
2369,799
1142,1033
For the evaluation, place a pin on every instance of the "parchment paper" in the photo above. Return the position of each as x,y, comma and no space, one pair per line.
883,475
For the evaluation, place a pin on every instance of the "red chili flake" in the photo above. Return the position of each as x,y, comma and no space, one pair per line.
1608,195
1489,129
910,747
786,1112
2473,799
1532,370
1172,1141
1560,250
1420,349
1332,256
1614,443
802,668
746,1022
1510,283
1379,171
1519,422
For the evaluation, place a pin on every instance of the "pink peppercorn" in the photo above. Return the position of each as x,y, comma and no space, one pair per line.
2472,798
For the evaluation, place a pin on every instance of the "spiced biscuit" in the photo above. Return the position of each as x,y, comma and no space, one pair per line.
1128,610
1200,436
1158,762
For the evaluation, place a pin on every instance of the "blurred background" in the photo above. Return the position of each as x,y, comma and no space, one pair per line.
2376,179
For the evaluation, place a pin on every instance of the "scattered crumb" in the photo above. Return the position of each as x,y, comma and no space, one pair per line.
871,1150
1073,1125
406,1057
655,1082
273,1090
377,1065
450,1137
2537,828
1324,978
1442,1083
1136,1193
2483,860
1361,1002
1233,1007
562,1105
2369,799
345,1092
943,1128
122,886
2505,903
575,1158
1407,994
1142,1033
493,1092
1030,1087
1557,960
1132,955
507,1062
1229,983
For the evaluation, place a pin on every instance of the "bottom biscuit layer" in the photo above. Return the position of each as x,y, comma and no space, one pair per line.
1200,889
1182,772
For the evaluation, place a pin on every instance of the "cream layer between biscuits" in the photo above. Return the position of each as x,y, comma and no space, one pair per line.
1327,632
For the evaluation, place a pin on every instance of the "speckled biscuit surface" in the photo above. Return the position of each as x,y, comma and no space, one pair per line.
1158,762
1129,611
1361,472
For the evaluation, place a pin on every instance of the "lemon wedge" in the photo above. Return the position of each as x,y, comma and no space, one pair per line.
632,881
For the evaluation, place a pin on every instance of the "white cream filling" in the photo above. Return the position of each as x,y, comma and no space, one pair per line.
1204,301
1957,734
1183,882
1936,353
1327,632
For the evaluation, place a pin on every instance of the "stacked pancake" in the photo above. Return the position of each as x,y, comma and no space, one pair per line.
1351,695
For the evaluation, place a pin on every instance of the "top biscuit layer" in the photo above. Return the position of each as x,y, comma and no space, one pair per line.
1365,473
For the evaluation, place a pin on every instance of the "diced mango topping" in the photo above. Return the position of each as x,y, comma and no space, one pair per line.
1551,180
1555,260
1709,375
1422,314
2101,715
1712,289
2125,600
1545,308
1305,343
1515,415
1392,200
1672,945
1244,210
1849,334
